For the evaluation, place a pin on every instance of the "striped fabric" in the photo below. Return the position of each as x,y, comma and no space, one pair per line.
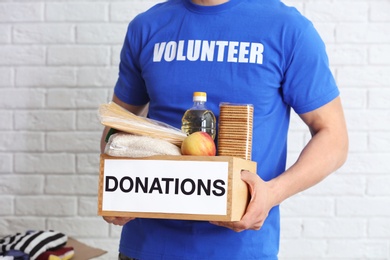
33,243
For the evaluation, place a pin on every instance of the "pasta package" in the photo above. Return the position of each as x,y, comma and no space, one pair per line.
115,116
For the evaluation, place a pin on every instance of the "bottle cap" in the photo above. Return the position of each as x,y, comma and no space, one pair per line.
200,96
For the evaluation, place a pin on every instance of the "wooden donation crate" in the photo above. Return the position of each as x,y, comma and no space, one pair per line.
174,187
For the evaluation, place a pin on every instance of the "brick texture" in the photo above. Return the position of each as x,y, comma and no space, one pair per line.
59,61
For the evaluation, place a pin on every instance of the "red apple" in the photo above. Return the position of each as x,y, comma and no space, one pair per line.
198,143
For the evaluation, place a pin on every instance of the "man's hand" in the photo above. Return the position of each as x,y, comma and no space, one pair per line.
258,208
119,221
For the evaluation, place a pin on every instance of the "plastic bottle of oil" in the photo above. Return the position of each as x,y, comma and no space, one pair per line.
199,117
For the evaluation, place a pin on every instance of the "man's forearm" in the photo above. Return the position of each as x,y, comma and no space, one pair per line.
323,155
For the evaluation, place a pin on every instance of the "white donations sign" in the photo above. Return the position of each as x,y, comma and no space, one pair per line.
165,186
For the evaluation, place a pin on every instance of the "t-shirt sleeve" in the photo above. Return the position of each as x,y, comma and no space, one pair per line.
308,82
130,86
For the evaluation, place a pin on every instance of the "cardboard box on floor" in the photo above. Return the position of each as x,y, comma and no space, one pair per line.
83,251
205,188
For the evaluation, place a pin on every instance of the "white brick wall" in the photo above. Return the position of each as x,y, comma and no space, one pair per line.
58,62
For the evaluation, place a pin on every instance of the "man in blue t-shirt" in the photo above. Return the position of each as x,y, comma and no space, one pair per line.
239,51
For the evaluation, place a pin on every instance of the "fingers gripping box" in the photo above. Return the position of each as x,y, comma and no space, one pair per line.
174,187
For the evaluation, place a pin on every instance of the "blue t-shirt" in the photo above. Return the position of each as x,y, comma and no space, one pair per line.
244,51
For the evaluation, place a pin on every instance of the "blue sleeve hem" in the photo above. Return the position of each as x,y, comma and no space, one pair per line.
318,102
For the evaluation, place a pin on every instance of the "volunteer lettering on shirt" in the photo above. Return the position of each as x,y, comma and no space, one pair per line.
202,50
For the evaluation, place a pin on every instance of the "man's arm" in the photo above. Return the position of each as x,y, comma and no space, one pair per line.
325,152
